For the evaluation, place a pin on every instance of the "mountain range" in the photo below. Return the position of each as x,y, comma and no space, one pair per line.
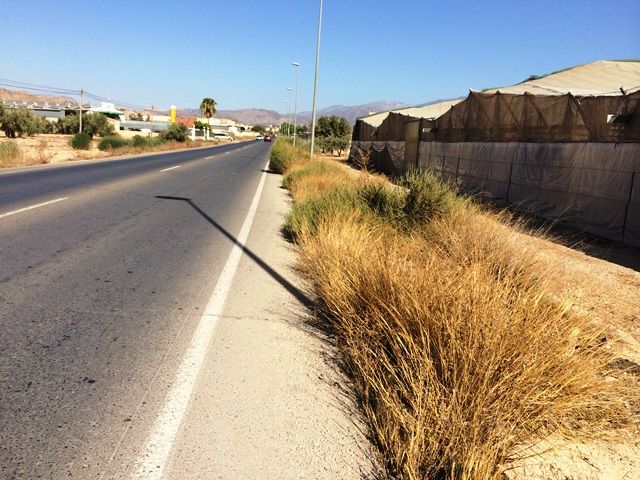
20,96
257,116
249,116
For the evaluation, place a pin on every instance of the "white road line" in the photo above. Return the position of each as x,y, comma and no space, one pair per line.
32,207
170,168
151,462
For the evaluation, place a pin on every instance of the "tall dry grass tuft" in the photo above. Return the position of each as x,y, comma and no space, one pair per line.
10,154
458,361
460,351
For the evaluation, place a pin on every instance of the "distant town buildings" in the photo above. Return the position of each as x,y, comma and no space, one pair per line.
124,120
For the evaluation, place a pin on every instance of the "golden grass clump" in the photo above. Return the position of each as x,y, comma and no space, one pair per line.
459,352
11,155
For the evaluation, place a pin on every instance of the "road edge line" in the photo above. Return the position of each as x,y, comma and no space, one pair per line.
31,207
151,462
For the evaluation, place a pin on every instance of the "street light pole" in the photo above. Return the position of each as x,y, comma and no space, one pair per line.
286,109
289,113
315,85
295,103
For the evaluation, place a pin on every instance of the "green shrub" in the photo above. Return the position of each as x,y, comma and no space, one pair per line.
156,141
96,124
112,142
80,141
176,132
281,156
385,201
427,197
139,141
306,216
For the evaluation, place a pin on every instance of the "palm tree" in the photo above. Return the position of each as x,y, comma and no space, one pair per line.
208,109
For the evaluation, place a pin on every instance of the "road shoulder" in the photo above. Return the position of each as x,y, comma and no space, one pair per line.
270,401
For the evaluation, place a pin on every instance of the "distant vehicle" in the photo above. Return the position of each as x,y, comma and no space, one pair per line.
267,138
260,137
222,136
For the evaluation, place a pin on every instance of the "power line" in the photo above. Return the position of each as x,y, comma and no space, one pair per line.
67,91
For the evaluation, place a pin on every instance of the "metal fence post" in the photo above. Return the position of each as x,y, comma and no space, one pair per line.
509,182
418,147
626,208
457,168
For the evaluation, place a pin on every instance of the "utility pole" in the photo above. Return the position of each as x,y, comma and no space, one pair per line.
81,92
315,85
151,133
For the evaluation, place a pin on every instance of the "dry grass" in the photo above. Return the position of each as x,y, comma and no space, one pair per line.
55,149
11,155
460,351
163,147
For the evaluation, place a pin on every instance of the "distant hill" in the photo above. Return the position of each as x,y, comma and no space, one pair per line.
249,116
21,96
351,113
257,116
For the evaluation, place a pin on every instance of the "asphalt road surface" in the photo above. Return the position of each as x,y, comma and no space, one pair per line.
104,268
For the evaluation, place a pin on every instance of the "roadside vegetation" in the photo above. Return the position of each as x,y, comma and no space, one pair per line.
10,154
20,125
460,351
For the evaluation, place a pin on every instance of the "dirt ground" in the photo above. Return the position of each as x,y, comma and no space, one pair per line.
44,148
610,294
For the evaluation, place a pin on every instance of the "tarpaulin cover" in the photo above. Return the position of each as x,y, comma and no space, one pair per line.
393,128
431,110
498,117
591,186
385,157
604,77
362,131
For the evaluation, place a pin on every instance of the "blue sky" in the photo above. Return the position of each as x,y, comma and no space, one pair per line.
239,52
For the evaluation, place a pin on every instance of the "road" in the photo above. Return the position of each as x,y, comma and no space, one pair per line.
113,275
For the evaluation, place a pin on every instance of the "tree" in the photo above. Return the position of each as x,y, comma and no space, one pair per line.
200,126
96,124
208,109
333,133
259,129
19,121
333,126
92,124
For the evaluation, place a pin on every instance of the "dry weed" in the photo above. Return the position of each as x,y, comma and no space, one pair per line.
458,361
42,153
10,154
461,352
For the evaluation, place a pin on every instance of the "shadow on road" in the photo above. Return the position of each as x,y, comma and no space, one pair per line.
292,289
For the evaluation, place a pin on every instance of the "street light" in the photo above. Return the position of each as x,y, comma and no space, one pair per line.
289,112
286,109
315,84
295,103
